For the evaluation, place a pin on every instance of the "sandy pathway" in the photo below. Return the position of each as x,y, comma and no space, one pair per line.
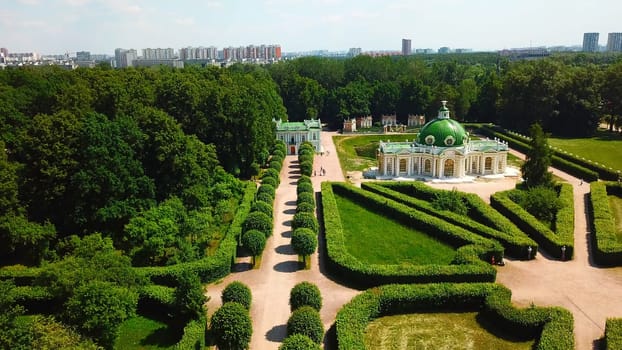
279,271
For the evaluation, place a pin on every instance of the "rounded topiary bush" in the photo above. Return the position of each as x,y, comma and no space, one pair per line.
304,187
271,173
298,342
276,164
262,207
306,321
306,197
269,180
264,197
258,221
231,327
269,189
305,220
255,242
304,179
305,157
305,294
237,292
278,153
306,167
305,207
304,241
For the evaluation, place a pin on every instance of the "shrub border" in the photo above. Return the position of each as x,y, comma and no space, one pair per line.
467,266
551,326
606,247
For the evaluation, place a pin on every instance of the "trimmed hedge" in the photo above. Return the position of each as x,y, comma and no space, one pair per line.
306,197
298,342
572,165
552,327
548,240
606,247
613,334
273,173
215,266
514,241
194,335
306,167
304,187
237,292
269,189
269,180
304,179
305,207
305,294
468,265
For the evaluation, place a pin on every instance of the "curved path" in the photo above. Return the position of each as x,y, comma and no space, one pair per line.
592,294
279,271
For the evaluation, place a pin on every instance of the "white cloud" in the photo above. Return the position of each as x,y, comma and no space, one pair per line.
29,2
187,21
214,4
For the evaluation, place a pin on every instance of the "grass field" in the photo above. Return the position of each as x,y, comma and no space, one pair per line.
375,239
438,331
615,203
603,148
145,333
357,153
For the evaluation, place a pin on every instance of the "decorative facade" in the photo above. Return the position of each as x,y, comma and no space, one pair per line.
364,122
416,120
389,119
349,125
295,133
441,150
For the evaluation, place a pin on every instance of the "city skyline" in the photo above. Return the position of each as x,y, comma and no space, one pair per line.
100,26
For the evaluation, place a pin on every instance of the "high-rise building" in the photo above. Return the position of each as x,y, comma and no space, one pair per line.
125,58
158,54
83,56
590,42
614,42
406,47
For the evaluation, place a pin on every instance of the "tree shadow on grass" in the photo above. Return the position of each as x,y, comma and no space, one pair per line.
162,337
287,266
277,333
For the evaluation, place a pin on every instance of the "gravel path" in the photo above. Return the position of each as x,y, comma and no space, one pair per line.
592,294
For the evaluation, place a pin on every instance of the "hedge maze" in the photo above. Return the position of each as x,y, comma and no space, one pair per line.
606,245
480,237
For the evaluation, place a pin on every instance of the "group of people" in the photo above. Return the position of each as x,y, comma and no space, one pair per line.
322,172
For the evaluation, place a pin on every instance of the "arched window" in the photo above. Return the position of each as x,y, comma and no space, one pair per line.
449,168
415,162
427,166
292,142
303,138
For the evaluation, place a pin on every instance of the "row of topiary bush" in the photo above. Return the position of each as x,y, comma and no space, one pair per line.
551,327
613,334
304,326
606,246
514,241
559,244
468,264
258,225
230,325
572,165
304,223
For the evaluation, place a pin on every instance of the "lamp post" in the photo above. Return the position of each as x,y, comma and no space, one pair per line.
529,253
563,253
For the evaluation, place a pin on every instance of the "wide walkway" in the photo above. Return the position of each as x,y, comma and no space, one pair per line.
279,271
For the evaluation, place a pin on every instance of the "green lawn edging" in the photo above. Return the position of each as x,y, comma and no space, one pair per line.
468,266
194,335
552,327
606,246
558,244
513,240
572,165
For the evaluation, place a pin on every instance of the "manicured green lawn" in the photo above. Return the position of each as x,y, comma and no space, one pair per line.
438,331
603,148
615,203
357,153
141,332
375,239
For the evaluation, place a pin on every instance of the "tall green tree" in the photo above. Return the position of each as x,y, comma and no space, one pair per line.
536,167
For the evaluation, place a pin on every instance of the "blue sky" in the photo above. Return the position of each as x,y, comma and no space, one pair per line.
99,26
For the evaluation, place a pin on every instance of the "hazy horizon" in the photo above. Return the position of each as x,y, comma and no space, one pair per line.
58,26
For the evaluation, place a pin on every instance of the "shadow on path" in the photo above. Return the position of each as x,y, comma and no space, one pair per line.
291,203
285,249
287,266
241,267
289,211
286,234
277,333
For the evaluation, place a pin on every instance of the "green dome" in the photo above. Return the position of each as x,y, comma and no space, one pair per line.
442,132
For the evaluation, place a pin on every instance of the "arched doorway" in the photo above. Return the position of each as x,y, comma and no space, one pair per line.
488,165
449,168
427,167
403,170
